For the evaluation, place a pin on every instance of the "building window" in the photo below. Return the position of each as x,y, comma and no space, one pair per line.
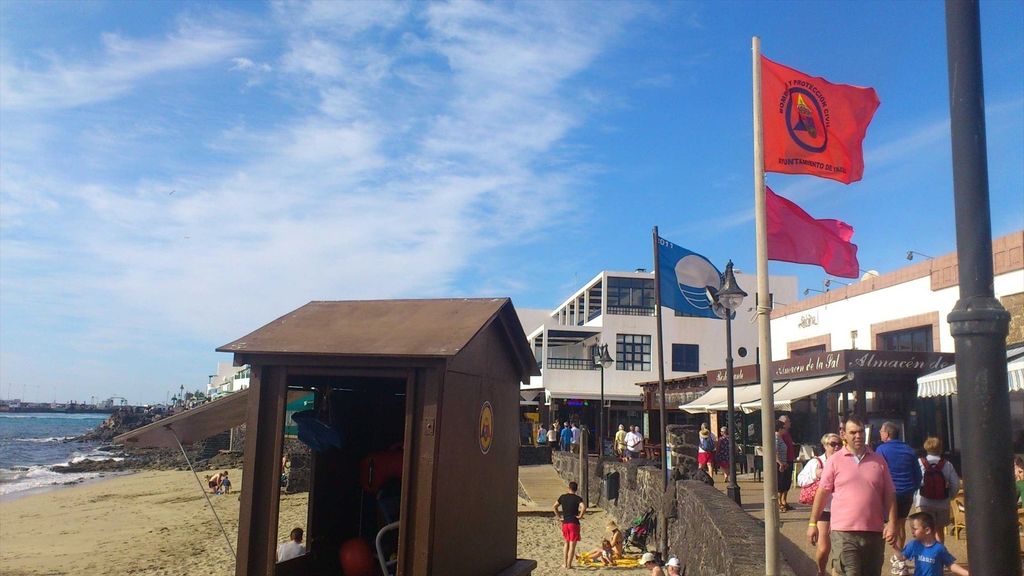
913,340
685,358
632,352
631,296
809,351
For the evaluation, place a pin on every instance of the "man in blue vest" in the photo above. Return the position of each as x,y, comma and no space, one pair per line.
906,475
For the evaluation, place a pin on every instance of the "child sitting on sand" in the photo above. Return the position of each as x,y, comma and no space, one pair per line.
606,554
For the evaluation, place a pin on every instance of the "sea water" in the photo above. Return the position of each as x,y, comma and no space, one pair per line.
32,443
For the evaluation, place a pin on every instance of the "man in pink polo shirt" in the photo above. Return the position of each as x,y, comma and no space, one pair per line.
863,505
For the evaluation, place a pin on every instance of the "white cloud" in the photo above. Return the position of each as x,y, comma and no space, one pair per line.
401,160
118,68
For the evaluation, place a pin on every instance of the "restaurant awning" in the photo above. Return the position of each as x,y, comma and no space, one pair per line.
795,390
191,425
716,399
943,382
700,405
747,394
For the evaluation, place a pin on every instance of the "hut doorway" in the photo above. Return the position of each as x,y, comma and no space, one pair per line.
355,432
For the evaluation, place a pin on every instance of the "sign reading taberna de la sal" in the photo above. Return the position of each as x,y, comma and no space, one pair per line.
838,362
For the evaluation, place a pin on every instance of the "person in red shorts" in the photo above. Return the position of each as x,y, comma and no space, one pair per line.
570,508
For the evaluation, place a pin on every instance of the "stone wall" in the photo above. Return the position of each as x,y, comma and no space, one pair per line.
706,530
532,455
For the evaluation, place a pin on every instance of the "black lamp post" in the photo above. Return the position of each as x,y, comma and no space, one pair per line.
727,299
602,360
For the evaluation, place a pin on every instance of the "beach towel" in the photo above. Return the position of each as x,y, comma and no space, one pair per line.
628,561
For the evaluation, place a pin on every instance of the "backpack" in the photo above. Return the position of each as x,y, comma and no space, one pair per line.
706,444
933,485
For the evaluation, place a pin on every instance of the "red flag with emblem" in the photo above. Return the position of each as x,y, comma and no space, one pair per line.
795,236
812,126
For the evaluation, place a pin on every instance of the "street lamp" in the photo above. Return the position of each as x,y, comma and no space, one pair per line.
726,300
602,360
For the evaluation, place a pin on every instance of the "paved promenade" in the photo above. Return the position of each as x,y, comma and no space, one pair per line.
793,543
543,486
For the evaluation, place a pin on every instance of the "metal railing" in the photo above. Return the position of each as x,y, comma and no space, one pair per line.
631,310
571,364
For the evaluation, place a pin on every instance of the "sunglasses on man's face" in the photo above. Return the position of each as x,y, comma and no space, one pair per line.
834,444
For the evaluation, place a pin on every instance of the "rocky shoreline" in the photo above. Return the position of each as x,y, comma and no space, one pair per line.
124,459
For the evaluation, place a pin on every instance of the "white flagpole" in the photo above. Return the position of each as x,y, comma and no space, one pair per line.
764,308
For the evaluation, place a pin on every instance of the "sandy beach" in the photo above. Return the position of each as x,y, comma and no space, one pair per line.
158,523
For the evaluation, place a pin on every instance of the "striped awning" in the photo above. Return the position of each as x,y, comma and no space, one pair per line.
943,382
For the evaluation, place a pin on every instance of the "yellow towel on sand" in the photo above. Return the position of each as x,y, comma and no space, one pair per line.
629,561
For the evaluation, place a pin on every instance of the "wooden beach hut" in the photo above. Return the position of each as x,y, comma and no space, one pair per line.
419,397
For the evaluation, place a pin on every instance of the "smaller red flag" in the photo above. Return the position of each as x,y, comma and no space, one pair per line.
794,236
812,126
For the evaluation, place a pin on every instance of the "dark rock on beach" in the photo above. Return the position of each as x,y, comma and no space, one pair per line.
125,420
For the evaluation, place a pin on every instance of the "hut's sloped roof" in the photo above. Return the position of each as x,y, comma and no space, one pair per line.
397,328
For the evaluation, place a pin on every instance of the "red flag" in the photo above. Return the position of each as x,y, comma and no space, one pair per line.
812,126
794,236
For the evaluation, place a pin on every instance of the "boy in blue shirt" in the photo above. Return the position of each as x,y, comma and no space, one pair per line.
928,554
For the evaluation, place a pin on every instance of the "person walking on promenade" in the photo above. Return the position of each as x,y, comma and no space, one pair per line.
553,436
566,437
790,453
863,515
929,555
939,484
811,476
722,449
569,508
575,439
639,448
632,440
542,435
620,441
705,449
784,472
906,475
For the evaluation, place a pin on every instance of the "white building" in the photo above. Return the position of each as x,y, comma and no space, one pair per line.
904,310
228,379
617,309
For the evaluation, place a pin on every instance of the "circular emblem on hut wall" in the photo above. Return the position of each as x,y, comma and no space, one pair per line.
486,431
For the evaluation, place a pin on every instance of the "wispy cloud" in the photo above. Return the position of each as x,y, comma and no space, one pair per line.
121,63
410,142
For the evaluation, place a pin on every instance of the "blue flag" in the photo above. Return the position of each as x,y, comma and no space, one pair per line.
683,276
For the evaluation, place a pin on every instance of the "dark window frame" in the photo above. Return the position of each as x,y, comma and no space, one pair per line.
685,357
633,352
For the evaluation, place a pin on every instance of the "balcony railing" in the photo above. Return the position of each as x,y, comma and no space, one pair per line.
571,364
631,310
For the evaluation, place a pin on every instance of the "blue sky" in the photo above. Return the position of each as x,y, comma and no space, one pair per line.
175,175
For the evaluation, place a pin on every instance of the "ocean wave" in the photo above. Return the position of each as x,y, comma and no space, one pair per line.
21,479
51,439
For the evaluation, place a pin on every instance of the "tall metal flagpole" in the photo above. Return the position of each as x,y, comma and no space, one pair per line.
978,322
764,309
662,528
